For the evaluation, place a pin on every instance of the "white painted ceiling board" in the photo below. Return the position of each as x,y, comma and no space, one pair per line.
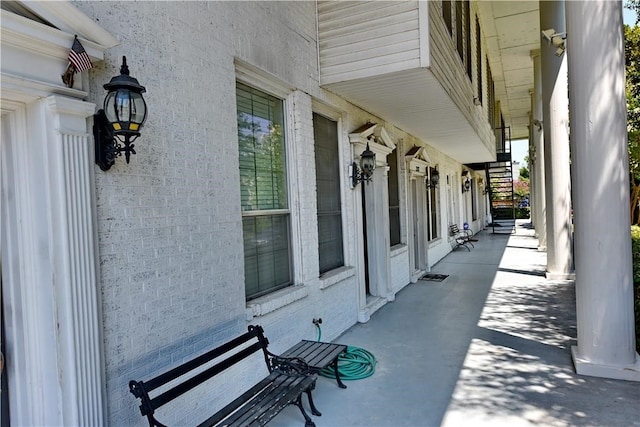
416,102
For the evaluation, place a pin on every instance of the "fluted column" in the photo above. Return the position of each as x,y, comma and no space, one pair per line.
604,279
69,165
556,148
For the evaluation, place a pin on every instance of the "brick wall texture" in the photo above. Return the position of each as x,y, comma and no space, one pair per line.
169,223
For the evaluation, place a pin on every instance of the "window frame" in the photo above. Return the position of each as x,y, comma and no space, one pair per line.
247,77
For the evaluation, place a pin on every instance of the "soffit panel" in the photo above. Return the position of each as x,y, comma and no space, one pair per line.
415,102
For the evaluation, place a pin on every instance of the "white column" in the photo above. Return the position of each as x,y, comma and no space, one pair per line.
538,202
531,164
70,165
604,281
556,147
50,283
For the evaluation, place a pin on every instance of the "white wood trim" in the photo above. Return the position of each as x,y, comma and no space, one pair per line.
262,80
71,20
41,39
423,28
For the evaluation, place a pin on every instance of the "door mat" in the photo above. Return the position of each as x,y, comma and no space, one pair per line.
434,277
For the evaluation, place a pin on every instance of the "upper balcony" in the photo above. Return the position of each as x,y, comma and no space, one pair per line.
399,61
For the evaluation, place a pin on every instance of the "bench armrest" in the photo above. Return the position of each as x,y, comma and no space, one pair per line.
288,365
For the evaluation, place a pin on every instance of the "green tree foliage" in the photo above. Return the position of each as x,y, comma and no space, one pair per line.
524,174
632,64
635,6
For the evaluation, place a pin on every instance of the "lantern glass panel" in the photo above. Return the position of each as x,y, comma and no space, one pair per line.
368,162
138,108
124,106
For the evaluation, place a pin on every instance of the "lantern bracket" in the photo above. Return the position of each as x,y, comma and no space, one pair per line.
107,145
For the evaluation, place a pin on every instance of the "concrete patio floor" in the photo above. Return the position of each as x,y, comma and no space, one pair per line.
489,345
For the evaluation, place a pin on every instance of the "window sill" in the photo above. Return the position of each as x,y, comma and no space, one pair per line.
398,249
276,300
435,242
332,277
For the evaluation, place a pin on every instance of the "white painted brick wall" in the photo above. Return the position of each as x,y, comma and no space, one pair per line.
169,223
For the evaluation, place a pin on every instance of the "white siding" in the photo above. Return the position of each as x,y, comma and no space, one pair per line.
362,39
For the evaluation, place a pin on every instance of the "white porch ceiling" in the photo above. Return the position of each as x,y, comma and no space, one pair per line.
512,31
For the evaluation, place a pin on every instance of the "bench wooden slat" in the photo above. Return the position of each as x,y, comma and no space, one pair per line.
284,390
320,354
174,373
317,354
289,397
196,380
271,395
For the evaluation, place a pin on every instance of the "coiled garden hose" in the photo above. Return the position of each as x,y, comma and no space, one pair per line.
355,363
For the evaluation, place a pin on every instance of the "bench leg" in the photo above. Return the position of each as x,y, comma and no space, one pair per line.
308,422
462,244
312,405
335,369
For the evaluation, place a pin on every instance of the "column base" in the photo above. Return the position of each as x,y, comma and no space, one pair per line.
542,248
561,277
585,367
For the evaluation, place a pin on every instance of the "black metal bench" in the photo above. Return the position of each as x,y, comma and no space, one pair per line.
318,355
288,378
461,237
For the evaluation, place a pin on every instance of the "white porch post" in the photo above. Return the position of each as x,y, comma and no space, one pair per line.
556,147
538,203
51,291
604,281
69,160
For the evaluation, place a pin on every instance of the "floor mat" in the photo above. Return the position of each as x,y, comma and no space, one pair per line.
434,277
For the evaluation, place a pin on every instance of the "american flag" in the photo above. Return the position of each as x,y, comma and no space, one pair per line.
78,56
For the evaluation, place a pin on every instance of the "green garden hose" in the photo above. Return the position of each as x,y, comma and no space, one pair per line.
354,364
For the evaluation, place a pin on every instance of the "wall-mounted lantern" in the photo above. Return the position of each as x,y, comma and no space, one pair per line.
367,165
466,185
118,124
434,180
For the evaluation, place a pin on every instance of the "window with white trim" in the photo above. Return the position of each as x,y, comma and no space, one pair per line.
263,187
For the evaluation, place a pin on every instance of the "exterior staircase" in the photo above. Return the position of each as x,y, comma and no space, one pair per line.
500,179
501,192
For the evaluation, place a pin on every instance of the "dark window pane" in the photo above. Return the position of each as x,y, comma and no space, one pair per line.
266,254
394,199
479,59
432,209
261,150
330,252
446,15
459,27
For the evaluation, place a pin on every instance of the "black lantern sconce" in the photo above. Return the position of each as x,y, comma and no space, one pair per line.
117,125
367,165
466,185
434,180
